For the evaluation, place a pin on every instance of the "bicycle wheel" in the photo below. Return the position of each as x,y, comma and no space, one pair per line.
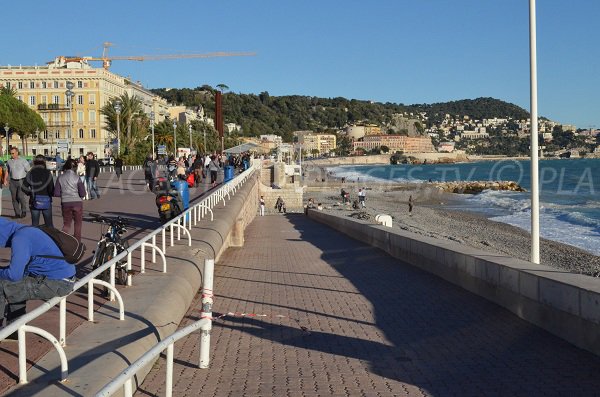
98,258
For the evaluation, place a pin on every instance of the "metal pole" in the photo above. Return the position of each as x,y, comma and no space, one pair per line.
175,139
207,302
535,200
119,134
190,129
152,127
205,151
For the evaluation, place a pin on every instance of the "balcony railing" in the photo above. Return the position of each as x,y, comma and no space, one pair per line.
52,107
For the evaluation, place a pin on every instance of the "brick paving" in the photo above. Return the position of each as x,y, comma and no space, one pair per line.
126,198
376,327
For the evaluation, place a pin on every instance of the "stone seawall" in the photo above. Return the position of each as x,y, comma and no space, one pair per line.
385,159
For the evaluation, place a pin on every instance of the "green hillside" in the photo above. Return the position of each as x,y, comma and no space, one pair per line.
266,114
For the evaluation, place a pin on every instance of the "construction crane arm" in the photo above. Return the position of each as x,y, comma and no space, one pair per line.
177,56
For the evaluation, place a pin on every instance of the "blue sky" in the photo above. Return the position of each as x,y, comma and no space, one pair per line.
402,51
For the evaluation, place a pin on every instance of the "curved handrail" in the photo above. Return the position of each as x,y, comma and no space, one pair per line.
20,326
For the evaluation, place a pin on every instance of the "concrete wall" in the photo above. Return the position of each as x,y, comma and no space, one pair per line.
565,304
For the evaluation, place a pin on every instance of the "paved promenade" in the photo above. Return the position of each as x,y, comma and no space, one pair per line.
374,327
125,197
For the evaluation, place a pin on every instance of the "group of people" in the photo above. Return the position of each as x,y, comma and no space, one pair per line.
194,168
360,203
33,188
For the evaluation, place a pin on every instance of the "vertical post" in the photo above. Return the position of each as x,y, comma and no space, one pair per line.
143,258
128,268
219,118
154,249
169,374
90,301
22,356
152,118
175,139
535,199
164,240
207,302
63,322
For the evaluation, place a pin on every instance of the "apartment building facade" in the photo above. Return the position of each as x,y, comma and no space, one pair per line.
79,121
396,143
323,143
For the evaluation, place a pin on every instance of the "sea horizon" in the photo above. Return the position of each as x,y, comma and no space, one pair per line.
569,199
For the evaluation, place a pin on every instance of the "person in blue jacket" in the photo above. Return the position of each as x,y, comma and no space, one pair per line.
30,276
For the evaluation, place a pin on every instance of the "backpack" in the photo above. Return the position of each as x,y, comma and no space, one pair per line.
72,249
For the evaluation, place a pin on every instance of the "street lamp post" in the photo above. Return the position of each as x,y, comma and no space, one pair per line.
175,138
70,94
190,129
117,105
152,118
6,129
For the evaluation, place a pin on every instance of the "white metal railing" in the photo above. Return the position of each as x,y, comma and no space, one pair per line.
125,378
182,223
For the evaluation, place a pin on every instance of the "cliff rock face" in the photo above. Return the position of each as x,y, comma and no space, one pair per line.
475,187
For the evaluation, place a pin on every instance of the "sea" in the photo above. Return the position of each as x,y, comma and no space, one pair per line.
569,193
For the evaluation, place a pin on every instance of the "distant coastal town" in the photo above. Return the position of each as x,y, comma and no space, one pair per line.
74,108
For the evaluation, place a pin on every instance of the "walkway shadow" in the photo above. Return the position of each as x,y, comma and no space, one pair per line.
437,336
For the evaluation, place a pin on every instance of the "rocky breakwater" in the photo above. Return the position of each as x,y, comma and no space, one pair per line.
474,187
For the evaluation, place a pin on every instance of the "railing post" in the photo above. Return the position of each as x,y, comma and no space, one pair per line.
171,235
129,266
207,302
169,375
164,240
62,333
143,259
154,249
22,356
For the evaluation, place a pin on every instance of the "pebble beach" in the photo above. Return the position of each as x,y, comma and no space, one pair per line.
432,216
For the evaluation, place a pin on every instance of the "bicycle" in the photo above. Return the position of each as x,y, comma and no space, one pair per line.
110,245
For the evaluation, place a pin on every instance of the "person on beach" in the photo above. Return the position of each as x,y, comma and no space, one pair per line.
361,197
410,205
262,205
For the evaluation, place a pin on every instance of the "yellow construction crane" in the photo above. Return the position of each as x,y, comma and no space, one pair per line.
106,60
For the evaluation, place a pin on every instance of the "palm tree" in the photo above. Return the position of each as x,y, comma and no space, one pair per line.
133,122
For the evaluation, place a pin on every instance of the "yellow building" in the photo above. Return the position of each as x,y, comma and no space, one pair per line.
396,143
44,89
323,143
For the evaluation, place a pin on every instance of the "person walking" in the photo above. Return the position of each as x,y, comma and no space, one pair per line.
361,197
410,205
118,167
17,168
150,171
39,185
262,206
71,191
29,275
81,173
92,169
213,167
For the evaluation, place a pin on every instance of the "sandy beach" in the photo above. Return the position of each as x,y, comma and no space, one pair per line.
431,217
